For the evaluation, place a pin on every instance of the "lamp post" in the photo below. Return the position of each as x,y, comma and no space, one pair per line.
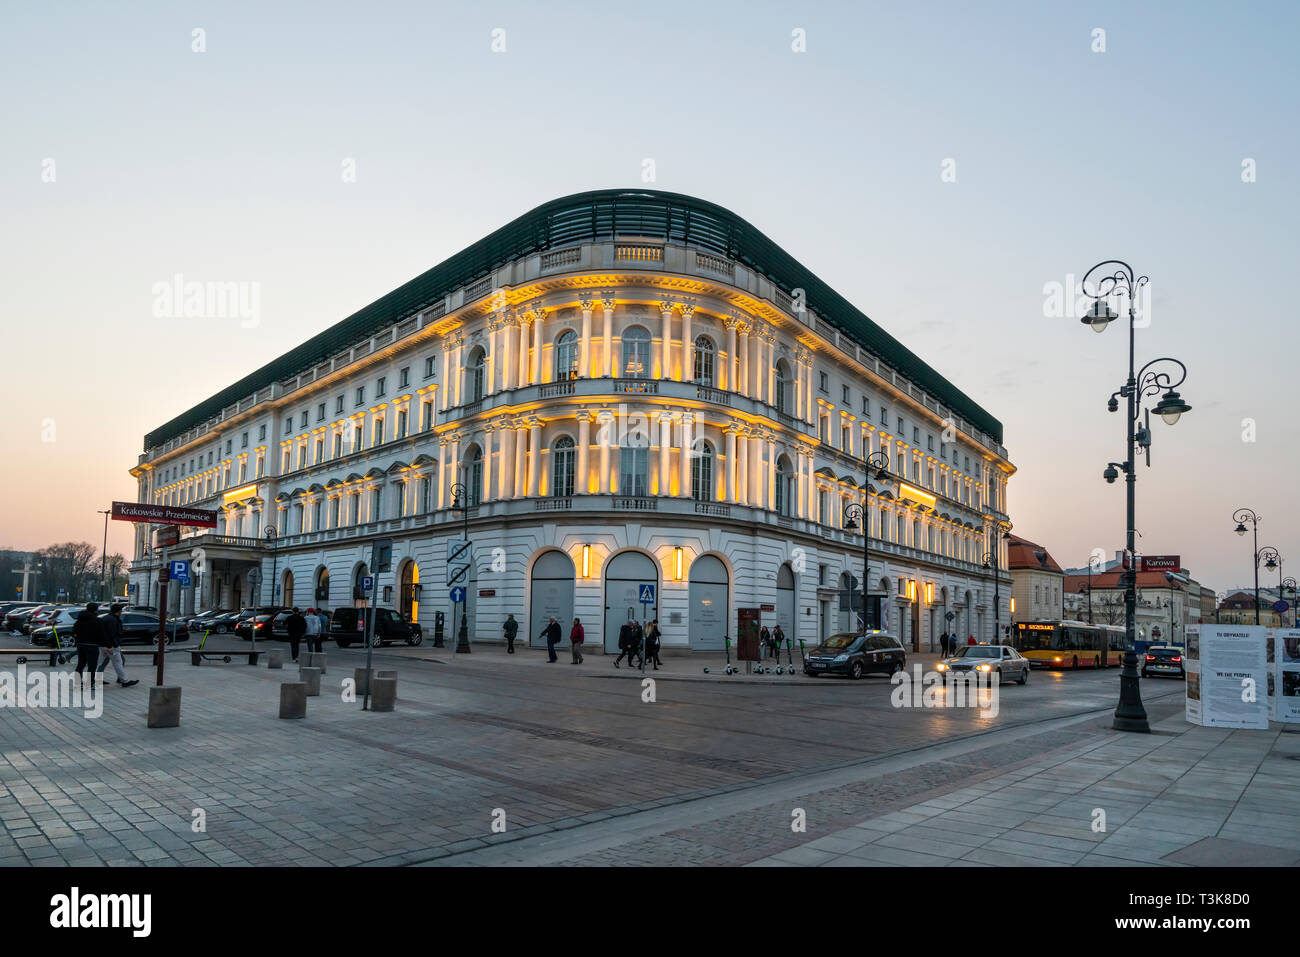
1272,559
855,512
460,500
1094,561
1241,516
1169,579
103,559
1117,278
270,535
1290,583
991,558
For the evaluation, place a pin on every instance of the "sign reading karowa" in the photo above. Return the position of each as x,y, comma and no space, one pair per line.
164,514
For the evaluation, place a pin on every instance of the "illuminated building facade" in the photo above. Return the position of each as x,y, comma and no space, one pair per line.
634,388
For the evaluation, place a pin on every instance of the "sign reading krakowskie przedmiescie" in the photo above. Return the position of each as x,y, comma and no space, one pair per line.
164,514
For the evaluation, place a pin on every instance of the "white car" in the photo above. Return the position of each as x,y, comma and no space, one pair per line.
999,662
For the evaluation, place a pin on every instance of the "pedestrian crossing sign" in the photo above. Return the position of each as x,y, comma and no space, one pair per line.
647,595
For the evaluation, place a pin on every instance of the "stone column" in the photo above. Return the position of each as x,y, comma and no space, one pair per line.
582,481
665,449
538,372
728,378
663,359
523,352
486,491
506,474
490,361
535,455
509,365
771,368
584,355
447,346
606,423
731,465
755,451
520,479
684,459
742,466
770,472
608,358
688,345
742,377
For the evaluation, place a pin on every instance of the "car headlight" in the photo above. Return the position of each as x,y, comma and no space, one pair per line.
940,667
984,668
843,657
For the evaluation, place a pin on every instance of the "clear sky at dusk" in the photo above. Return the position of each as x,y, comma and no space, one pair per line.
226,165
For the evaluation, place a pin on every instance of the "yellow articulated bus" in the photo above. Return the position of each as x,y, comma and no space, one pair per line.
1070,644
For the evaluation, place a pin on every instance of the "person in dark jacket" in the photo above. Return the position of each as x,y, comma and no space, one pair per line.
510,629
576,638
638,644
778,641
112,625
652,644
765,642
625,642
89,632
553,636
296,626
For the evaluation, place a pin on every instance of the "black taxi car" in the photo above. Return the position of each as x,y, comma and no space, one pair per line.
856,654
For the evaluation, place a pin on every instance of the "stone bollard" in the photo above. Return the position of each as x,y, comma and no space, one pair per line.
164,706
275,658
363,680
293,699
311,678
314,659
383,695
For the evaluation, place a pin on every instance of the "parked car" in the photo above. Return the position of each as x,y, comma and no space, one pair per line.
11,606
45,616
222,623
258,620
855,655
999,662
204,620
348,627
1163,660
136,627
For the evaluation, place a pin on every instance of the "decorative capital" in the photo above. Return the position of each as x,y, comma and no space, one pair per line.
607,300
666,306
687,308
586,302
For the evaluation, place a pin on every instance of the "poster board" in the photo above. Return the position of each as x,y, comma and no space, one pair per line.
1227,676
1286,674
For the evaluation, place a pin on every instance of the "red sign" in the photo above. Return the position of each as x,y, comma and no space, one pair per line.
487,593
1161,563
767,607
164,514
167,536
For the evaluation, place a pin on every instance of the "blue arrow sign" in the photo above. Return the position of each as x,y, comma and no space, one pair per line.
647,595
457,595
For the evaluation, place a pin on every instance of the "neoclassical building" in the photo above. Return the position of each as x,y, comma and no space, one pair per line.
618,389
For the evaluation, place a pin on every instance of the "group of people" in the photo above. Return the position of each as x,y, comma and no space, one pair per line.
948,643
771,642
93,633
552,634
639,641
312,625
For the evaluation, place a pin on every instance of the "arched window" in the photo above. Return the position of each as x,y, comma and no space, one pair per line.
784,486
474,476
474,369
702,472
562,469
704,360
636,353
782,386
566,356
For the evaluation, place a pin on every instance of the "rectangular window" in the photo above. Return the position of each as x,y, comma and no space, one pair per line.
243,472
356,438
845,440
261,433
287,462
866,406
634,472
334,511
338,444
401,425
426,494
884,416
302,422
320,412
261,464
381,386
379,431
404,378
315,516
320,451
916,436
844,394
361,395
243,444
338,404
426,412
929,442
428,368
288,425
824,428
302,456
823,382
376,503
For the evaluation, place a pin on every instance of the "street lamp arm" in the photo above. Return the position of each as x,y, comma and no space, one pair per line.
1111,277
1152,381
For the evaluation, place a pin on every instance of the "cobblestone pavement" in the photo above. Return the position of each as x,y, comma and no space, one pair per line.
559,749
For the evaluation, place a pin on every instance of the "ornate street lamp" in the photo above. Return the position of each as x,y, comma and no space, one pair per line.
1116,278
1272,559
460,500
1241,516
270,535
1290,583
855,512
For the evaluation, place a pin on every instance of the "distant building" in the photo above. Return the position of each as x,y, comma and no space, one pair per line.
1036,581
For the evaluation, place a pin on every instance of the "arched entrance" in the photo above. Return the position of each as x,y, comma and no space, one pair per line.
408,597
322,593
358,596
785,606
706,620
552,595
286,588
624,575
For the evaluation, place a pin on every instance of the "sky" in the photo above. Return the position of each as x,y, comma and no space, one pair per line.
128,157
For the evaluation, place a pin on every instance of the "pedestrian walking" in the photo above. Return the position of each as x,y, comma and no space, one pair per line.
324,617
510,629
626,635
296,626
638,643
112,650
943,645
89,632
765,642
552,635
652,642
576,637
778,640
315,640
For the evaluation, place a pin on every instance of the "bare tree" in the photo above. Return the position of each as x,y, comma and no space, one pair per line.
68,566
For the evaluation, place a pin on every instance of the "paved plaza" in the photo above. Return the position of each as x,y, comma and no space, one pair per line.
583,770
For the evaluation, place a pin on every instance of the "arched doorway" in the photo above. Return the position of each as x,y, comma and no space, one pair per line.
286,588
552,595
785,605
408,594
358,596
706,620
322,592
624,575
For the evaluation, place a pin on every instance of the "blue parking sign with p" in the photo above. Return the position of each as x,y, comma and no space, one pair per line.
367,582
